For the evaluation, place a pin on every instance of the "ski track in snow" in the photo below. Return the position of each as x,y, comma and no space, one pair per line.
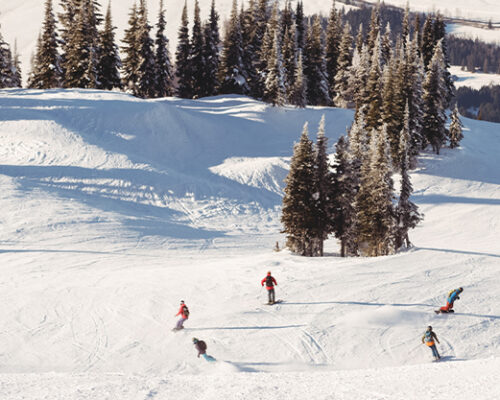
114,209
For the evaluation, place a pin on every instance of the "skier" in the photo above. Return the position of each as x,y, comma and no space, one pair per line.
201,346
452,296
184,313
270,282
428,339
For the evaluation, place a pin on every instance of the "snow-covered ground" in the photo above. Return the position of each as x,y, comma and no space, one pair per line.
474,80
115,208
473,32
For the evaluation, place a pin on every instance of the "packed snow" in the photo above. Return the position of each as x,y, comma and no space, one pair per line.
114,209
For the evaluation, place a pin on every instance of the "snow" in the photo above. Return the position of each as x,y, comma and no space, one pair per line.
115,208
474,32
474,80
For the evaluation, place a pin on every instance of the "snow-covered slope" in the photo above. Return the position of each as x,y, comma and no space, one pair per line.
115,208
474,80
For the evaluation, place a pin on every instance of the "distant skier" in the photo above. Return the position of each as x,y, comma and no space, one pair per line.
428,339
452,296
184,313
201,346
270,282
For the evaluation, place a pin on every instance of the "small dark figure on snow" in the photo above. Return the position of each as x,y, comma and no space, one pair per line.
270,282
201,347
452,296
184,313
428,339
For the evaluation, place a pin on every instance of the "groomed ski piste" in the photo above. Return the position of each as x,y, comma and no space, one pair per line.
113,209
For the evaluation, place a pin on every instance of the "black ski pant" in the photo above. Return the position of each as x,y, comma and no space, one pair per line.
270,294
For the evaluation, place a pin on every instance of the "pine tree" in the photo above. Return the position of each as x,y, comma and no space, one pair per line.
374,30
298,202
267,47
375,214
16,73
298,95
456,126
405,28
314,66
343,192
440,35
274,91
130,64
287,19
109,64
428,42
301,26
386,45
146,78
407,214
163,66
322,225
67,19
211,54
6,65
289,51
197,59
332,49
373,97
391,115
182,59
233,76
47,71
358,77
343,93
434,87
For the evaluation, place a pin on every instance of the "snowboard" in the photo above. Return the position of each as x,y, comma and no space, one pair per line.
444,312
276,302
177,329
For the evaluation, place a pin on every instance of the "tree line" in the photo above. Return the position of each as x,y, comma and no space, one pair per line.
400,92
10,66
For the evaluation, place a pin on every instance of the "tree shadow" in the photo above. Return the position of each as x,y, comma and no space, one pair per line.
440,199
477,315
473,253
236,328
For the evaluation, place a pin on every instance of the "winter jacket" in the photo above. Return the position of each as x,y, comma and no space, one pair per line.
182,312
453,296
269,285
201,346
430,341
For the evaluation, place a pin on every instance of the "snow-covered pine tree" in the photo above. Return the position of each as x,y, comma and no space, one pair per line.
130,63
210,85
6,65
46,73
163,65
322,225
109,63
417,33
182,58
434,100
428,43
373,97
266,50
298,201
374,209
358,77
233,78
254,25
374,29
386,45
315,66
298,96
289,51
343,93
405,25
407,215
274,91
456,134
300,22
197,59
16,73
333,36
287,20
344,187
440,35
67,18
146,71
360,39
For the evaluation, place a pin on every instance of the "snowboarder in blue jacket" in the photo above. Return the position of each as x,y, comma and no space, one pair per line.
452,296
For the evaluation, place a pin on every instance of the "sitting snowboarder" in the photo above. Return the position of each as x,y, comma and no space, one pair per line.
270,282
184,313
452,296
201,346
428,339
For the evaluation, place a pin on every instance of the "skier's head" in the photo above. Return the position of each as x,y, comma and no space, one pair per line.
195,340
269,272
460,289
429,328
182,302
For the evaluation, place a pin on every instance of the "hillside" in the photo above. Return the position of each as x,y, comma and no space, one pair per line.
115,208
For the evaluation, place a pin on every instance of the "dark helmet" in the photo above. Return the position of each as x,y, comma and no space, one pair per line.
182,301
429,328
460,289
195,340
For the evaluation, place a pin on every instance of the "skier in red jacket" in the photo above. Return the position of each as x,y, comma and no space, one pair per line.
184,313
270,282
